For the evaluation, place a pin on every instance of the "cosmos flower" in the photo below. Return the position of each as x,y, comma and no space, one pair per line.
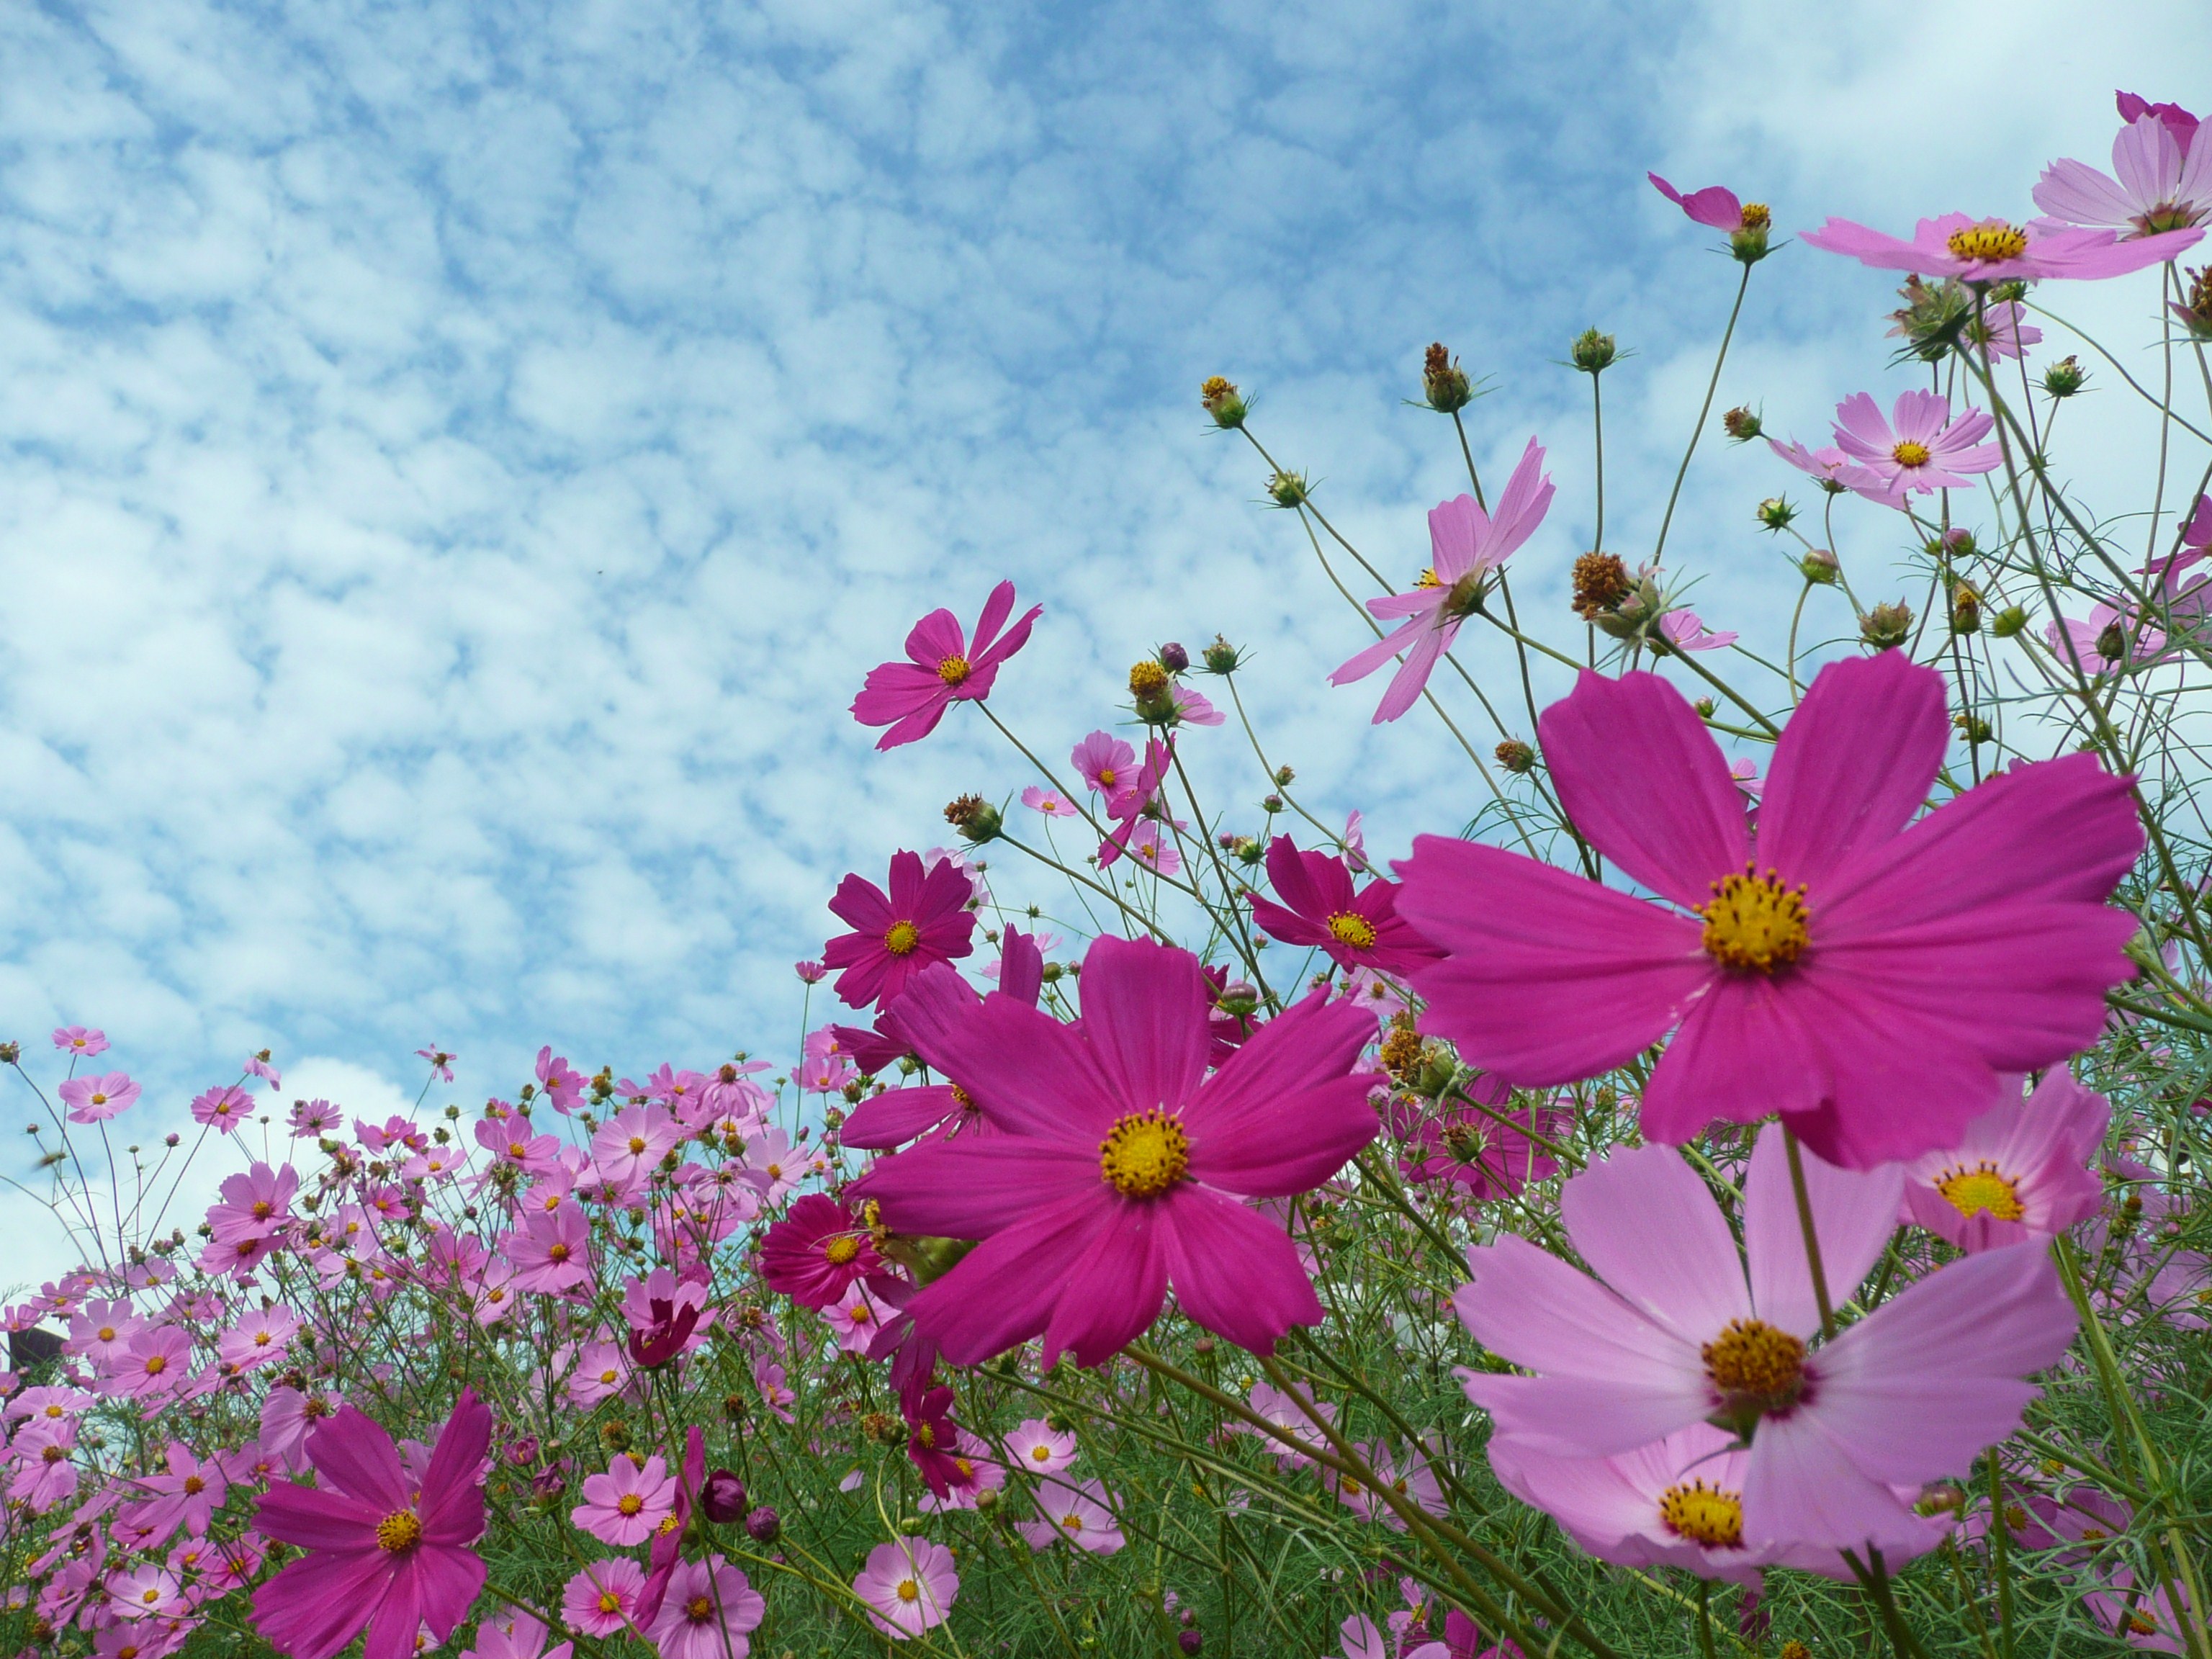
1465,544
598,1600
1079,1515
1991,250
924,918
709,1609
2158,183
1124,1164
2021,1170
1319,908
1677,1329
386,1549
623,1505
96,1099
1815,964
816,1252
943,667
1036,1446
1920,448
908,1585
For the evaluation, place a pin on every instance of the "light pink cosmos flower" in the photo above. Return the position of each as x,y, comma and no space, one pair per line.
1289,1413
623,1506
1678,1329
1685,631
261,1336
101,1331
2158,184
1105,762
441,1063
96,1099
1918,449
1716,206
2109,640
708,1610
226,1109
1080,1516
1036,1446
516,1635
1465,544
1049,802
1817,961
2022,1170
385,1549
598,1600
1409,1476
943,667
550,1252
1125,1165
631,1143
908,1585
1826,463
1148,843
44,1456
2003,330
146,1591
157,1364
1991,250
80,1041
187,1494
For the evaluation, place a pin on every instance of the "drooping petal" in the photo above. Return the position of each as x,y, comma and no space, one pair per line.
1743,1051
1801,1488
1646,784
1235,1272
1412,676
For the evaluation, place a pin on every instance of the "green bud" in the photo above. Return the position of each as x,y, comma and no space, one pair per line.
2009,621
1775,512
1593,353
1887,626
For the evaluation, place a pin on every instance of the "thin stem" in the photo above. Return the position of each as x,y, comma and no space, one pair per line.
1704,409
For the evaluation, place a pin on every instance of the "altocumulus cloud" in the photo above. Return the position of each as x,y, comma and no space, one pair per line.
459,459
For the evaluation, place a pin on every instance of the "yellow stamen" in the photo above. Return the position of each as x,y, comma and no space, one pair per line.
399,1531
1991,239
953,670
840,1249
909,1591
902,938
1703,1515
1349,928
1754,922
1981,1189
1909,453
1144,1154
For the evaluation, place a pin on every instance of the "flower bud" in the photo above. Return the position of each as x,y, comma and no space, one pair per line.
976,818
722,1497
2194,311
1775,512
1958,541
1203,1346
2112,643
2065,377
1174,658
1818,567
1220,398
1271,803
2009,621
1238,999
1285,777
762,1525
1965,608
1515,756
1221,657
1742,424
1189,1640
1973,727
10,1052
1443,382
1887,626
1287,488
1248,850
1705,708
986,1500
1601,581
1593,353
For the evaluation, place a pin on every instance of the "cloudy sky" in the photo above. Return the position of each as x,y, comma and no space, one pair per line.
459,459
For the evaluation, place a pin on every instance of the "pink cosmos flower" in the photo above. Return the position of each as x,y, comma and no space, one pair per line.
1147,841
1815,965
771,1156
934,1442
1408,1477
816,1252
2109,640
509,1137
598,1600
623,1506
631,1143
854,1320
261,1336
1465,544
924,919
1320,908
157,1364
1716,206
225,1108
1918,449
667,1315
1298,1418
1826,463
1677,1329
1076,1515
981,1472
1991,249
550,1252
1685,631
516,1635
257,1203
2133,106
146,1591
942,668
1473,1149
44,1456
386,1549
1038,1446
100,1332
1105,762
80,1041
908,1585
311,1119
811,973
2020,1172
96,1099
1125,1164
1049,802
709,1609
2163,183
441,1063
559,1082
186,1496
2003,330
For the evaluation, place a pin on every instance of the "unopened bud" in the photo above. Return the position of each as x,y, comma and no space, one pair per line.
1285,777
2065,377
1887,626
1705,708
1189,1640
1742,424
722,1496
1174,658
1775,512
1965,608
2194,311
1592,352
1287,488
1271,803
1220,398
1973,727
1818,567
976,818
1515,756
2008,621
1221,657
763,1526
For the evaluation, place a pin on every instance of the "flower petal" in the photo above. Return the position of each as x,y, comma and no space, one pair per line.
1647,1226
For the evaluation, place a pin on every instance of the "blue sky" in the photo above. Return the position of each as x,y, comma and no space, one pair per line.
459,460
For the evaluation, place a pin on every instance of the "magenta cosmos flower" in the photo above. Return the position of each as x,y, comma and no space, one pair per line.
924,919
817,1252
383,1550
1678,1330
1716,206
1918,449
943,667
2162,183
1465,545
908,1585
1124,1165
2021,1171
1866,976
1992,250
1320,908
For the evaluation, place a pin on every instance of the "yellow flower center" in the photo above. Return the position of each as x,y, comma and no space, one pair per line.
1429,578
399,1531
1755,216
1992,239
1043,1454
637,1144
909,1591
1981,1189
840,1249
1073,1522
1147,680
1756,1367
609,1602
1910,453
966,1469
1347,928
1754,922
99,1099
901,939
1106,776
927,1435
194,1485
516,1149
1144,1154
261,1339
699,1609
156,1364
106,1335
953,670
629,1503
557,1252
1703,1515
